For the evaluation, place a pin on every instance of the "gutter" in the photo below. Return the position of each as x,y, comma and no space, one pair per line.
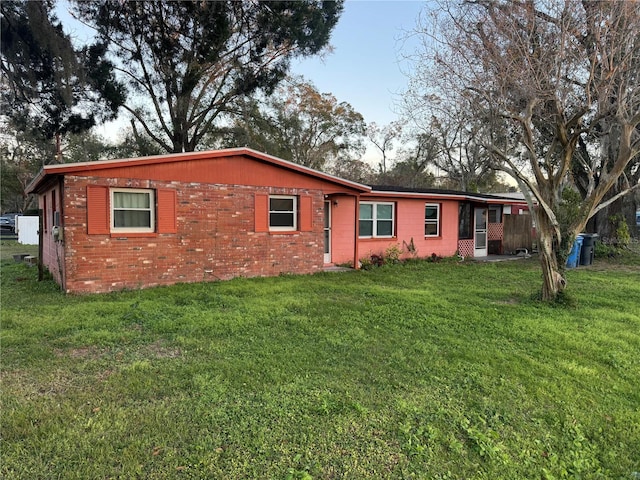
443,196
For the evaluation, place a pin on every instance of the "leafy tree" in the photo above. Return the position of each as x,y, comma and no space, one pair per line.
353,169
22,154
187,62
87,147
49,87
408,173
136,144
542,77
300,124
412,167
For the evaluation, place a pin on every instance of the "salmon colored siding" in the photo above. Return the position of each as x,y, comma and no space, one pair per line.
409,229
342,229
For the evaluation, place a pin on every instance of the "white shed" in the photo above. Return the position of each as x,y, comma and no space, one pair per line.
27,229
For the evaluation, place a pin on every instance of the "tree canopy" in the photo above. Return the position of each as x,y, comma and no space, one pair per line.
300,124
187,62
541,78
49,86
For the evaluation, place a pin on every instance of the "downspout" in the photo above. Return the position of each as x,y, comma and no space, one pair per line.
356,255
459,204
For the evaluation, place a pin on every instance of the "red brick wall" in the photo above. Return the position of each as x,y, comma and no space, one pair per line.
215,239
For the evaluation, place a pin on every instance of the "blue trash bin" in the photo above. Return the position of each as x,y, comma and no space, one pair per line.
574,256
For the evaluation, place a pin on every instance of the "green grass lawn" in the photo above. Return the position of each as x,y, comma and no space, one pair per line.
421,370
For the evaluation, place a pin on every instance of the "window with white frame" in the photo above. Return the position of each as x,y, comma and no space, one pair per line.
283,213
132,210
377,219
432,220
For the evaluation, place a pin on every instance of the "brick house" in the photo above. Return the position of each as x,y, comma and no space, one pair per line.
203,216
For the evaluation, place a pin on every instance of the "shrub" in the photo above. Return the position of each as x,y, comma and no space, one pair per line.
392,254
366,263
623,237
434,258
604,250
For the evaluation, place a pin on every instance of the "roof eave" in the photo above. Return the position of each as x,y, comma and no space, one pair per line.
174,157
33,185
443,196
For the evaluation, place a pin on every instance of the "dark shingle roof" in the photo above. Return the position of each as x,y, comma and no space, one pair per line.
437,191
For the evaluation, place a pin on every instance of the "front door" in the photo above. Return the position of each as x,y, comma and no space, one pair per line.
327,232
480,232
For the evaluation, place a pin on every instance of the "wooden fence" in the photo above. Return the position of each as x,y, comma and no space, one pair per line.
517,233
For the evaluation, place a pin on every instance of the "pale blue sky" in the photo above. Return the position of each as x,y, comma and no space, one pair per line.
364,68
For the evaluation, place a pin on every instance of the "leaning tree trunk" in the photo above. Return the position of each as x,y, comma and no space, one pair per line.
553,255
554,246
553,281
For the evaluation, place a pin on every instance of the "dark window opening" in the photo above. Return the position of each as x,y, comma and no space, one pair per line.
465,217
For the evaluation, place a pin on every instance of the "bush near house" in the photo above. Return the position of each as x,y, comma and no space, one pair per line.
415,370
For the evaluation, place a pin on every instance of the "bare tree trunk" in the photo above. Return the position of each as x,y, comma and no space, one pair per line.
553,282
552,259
